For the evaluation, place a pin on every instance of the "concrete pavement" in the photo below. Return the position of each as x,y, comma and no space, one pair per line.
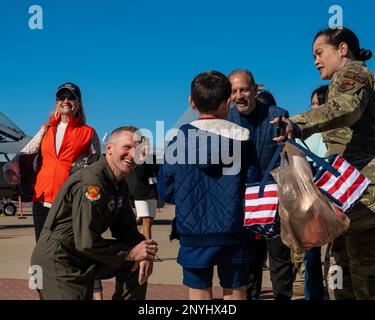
17,241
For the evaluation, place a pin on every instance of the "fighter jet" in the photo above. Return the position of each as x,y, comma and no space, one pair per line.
12,140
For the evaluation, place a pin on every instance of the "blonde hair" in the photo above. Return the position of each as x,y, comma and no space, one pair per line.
79,114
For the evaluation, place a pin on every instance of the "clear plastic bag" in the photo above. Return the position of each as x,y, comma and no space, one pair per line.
308,219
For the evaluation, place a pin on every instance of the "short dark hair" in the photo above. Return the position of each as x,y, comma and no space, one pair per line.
321,94
339,35
209,90
244,71
266,97
118,130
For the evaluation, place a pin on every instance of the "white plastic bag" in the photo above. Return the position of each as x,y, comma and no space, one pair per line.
308,219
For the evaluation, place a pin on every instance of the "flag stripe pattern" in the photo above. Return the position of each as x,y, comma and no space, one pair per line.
346,188
260,210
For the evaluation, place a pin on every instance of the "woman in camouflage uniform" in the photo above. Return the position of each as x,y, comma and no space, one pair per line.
350,103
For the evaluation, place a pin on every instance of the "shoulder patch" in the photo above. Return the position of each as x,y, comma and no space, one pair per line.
120,202
93,193
346,85
354,76
111,203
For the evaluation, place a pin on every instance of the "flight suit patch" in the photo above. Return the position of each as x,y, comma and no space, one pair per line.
120,202
93,193
111,204
346,85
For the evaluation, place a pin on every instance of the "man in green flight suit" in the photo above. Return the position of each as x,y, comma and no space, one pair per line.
71,251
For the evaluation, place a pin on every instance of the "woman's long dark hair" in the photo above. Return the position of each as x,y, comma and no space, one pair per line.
339,35
321,94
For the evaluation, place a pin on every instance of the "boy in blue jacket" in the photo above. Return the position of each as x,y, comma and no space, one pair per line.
203,176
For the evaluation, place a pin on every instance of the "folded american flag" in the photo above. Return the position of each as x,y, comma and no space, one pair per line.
345,189
260,210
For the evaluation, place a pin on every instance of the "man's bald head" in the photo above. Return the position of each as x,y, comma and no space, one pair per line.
245,72
244,90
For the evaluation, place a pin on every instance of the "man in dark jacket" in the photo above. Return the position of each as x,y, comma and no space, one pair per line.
71,251
255,116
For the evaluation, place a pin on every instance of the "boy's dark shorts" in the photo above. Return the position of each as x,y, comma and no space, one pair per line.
231,276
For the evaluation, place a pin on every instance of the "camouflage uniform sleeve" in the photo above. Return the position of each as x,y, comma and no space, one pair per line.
89,211
338,136
349,94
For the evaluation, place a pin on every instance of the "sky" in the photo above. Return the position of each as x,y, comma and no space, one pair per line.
134,60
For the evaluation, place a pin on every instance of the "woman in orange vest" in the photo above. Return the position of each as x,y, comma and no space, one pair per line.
60,142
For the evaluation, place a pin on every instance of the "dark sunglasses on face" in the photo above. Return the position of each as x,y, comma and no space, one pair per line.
70,97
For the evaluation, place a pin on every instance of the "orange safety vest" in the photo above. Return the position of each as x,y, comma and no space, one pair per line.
54,168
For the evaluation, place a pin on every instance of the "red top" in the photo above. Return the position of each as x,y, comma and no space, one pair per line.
208,118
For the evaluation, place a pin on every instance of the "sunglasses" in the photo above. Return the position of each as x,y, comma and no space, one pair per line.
70,97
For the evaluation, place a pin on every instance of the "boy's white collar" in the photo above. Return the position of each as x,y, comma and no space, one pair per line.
223,128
